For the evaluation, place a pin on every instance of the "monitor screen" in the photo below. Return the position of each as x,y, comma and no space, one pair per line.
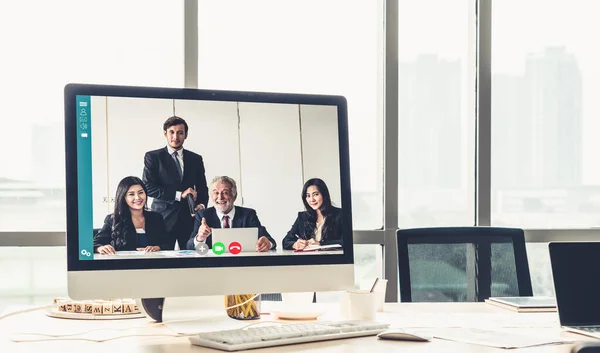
575,269
205,181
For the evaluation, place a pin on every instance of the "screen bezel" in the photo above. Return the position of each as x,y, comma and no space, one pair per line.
71,92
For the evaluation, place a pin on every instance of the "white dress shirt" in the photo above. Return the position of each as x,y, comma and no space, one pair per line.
318,231
231,214
180,158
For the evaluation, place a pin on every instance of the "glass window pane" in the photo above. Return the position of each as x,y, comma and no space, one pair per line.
111,42
368,265
32,275
538,257
436,102
545,84
320,47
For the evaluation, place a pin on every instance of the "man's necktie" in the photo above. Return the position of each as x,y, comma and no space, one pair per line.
178,165
225,221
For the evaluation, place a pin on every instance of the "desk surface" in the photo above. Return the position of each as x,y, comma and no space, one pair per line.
433,315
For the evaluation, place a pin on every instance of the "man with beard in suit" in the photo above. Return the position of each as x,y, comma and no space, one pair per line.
223,192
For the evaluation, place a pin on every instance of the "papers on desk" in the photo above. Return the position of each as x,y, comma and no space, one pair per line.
488,321
495,338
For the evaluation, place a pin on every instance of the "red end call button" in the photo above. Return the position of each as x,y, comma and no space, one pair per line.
235,247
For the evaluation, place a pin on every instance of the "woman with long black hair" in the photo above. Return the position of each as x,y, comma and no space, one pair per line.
131,226
320,222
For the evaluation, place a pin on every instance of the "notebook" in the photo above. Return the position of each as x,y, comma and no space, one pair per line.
576,271
524,304
316,247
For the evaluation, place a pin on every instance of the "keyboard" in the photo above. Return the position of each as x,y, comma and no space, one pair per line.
282,334
592,329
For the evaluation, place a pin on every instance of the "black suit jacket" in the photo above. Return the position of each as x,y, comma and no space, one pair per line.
155,232
162,181
331,232
244,218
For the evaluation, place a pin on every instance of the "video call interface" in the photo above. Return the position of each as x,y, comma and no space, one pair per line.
193,178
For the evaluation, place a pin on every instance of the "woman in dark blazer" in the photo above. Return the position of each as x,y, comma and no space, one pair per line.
320,222
131,226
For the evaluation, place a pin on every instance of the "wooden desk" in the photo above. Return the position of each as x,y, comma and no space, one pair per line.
406,314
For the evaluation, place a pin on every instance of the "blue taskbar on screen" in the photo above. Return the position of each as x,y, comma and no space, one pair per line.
84,177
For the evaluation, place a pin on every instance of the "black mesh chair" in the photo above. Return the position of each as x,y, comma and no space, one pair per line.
586,347
274,297
462,264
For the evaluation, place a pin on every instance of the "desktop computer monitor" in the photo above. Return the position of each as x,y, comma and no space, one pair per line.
141,209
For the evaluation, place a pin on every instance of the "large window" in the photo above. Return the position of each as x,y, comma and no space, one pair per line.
545,83
436,113
47,44
316,47
545,87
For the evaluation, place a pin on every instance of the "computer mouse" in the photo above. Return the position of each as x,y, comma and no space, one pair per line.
401,334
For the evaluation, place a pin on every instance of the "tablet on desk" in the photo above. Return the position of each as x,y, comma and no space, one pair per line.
524,304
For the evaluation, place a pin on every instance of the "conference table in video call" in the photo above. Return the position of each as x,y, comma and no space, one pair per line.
192,253
456,327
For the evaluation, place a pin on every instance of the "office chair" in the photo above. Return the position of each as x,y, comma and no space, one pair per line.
462,264
586,347
276,297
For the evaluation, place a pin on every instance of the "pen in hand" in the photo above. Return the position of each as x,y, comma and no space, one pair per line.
300,243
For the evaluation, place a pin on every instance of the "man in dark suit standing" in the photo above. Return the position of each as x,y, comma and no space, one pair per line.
223,192
171,174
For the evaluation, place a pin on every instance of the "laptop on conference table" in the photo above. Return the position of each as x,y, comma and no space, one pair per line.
576,273
246,237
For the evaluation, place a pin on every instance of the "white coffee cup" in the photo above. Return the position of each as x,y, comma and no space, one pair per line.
359,305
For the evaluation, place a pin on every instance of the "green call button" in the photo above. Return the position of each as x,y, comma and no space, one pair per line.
218,248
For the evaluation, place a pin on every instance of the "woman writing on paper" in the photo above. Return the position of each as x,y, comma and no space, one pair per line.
131,226
320,223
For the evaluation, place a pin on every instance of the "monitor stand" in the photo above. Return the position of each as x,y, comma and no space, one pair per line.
189,315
